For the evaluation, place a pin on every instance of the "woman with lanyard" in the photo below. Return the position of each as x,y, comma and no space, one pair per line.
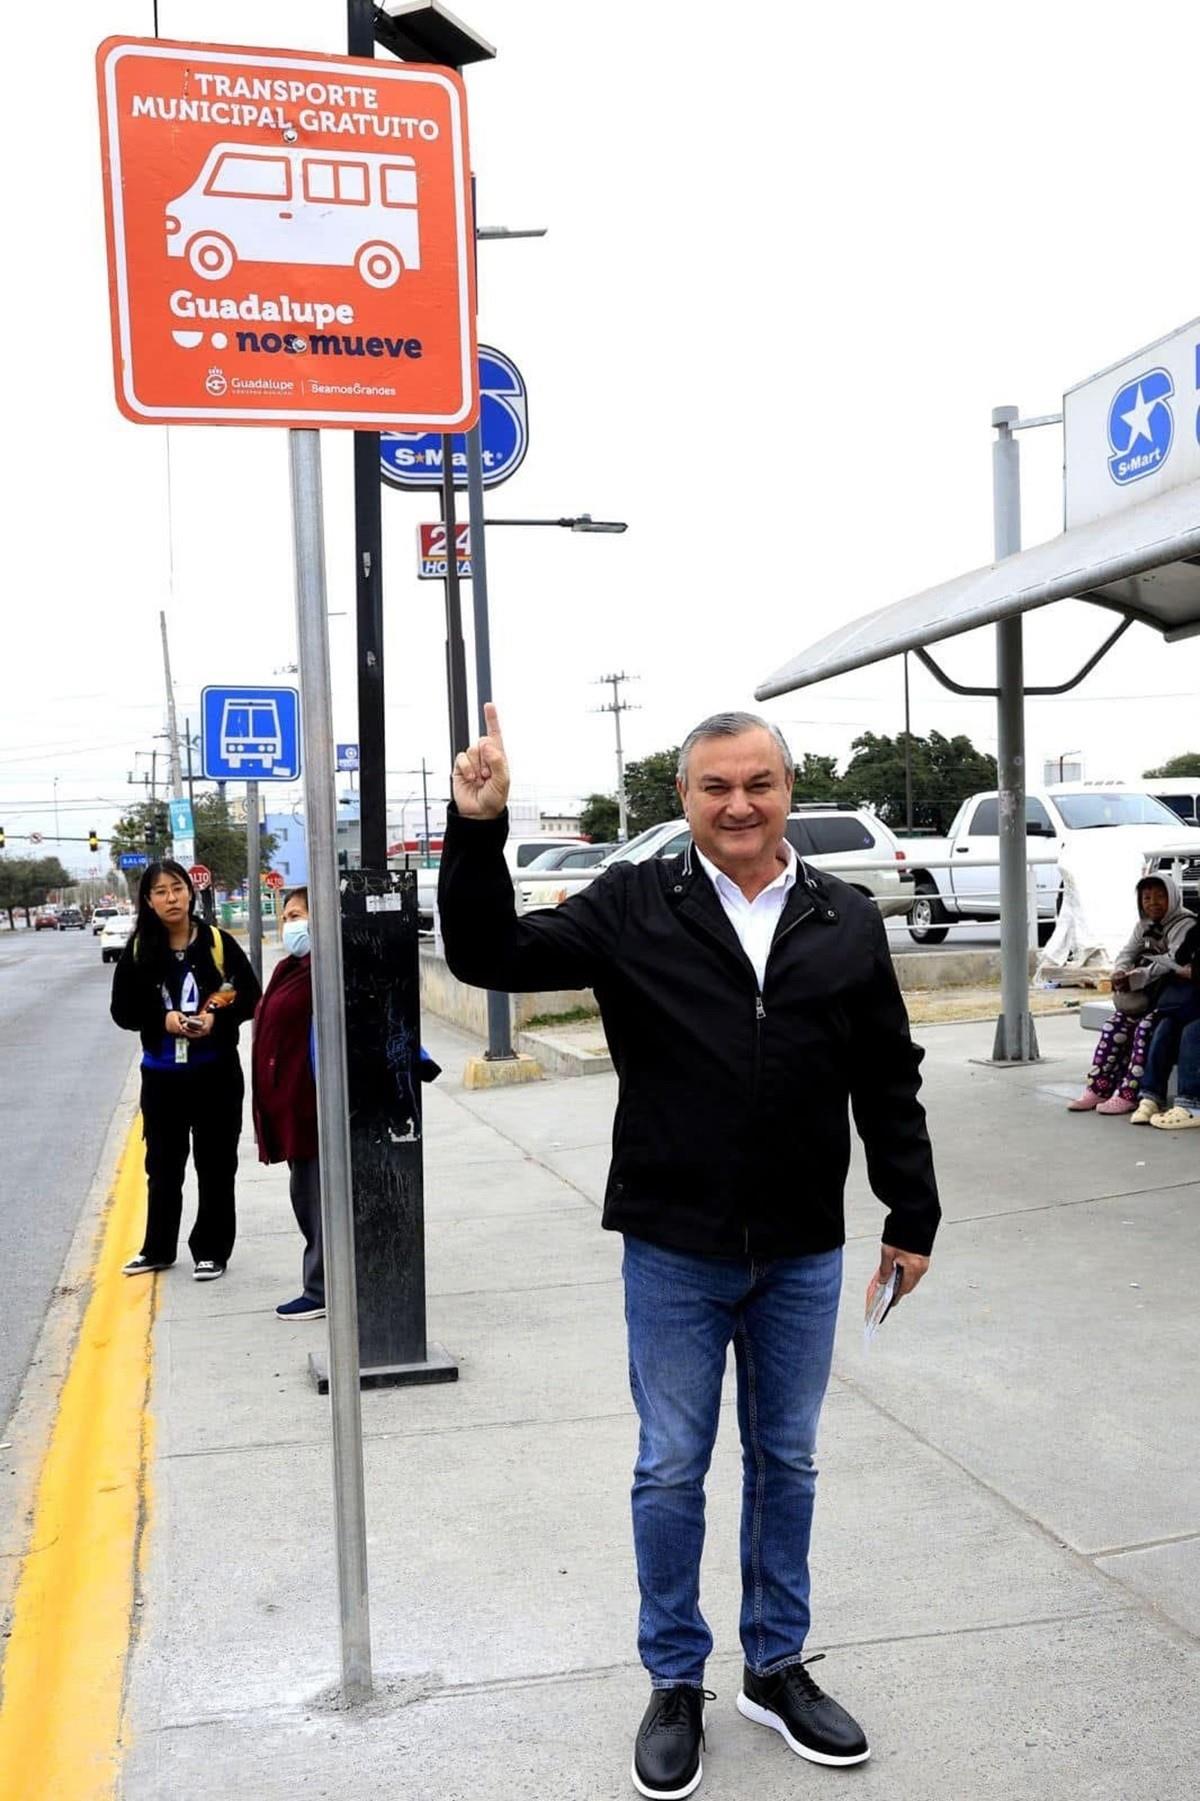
186,987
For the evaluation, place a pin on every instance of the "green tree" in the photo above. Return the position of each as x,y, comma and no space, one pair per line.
1187,763
25,882
816,779
956,769
650,792
143,829
600,818
221,845
944,772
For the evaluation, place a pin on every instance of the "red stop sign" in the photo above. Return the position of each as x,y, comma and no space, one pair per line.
273,879
201,876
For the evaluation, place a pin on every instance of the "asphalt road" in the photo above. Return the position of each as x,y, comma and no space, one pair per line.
62,1067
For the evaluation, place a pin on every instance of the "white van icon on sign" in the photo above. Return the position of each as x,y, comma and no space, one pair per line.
251,734
298,206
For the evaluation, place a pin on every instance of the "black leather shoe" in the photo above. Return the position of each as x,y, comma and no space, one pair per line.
666,1752
814,1724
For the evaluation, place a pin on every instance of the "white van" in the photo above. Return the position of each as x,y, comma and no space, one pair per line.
1179,792
298,206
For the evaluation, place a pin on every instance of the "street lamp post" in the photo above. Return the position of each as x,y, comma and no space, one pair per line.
582,522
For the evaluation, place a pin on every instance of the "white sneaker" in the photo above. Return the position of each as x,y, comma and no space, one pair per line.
207,1271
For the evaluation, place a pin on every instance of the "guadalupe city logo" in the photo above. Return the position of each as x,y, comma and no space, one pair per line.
1141,427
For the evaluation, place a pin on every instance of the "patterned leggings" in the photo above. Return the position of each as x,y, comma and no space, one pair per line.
1120,1059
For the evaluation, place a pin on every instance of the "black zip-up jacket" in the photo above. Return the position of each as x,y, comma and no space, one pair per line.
731,1135
137,1003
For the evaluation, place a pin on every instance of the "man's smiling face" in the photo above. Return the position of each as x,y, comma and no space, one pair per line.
736,799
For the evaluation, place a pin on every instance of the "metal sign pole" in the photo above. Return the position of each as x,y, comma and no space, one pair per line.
499,1008
456,662
253,880
333,1106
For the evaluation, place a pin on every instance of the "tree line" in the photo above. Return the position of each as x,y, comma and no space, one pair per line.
27,882
220,843
944,772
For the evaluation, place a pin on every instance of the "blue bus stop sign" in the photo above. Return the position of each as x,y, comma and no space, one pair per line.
250,734
414,459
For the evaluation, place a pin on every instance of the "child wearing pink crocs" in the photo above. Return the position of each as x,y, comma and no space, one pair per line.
1149,956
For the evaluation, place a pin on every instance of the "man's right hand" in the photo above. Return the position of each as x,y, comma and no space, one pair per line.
481,773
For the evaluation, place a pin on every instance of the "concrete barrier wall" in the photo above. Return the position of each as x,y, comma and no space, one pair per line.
443,994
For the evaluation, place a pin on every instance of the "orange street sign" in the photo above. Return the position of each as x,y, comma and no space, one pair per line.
290,238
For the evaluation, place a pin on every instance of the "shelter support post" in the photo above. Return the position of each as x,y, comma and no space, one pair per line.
1016,1040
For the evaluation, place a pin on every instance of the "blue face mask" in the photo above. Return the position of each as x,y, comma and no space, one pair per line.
296,940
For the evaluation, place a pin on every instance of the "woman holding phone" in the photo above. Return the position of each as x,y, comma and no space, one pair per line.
185,987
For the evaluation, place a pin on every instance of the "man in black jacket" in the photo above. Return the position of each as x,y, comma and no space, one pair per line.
747,1002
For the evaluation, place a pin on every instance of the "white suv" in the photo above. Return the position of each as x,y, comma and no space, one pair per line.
843,839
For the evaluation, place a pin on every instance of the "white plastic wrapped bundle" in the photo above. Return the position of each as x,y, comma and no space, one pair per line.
1100,872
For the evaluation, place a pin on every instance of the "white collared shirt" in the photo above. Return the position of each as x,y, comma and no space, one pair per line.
754,921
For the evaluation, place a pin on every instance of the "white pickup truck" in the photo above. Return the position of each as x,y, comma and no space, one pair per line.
970,887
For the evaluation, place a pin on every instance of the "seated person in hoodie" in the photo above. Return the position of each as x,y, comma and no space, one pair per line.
1147,961
1176,1039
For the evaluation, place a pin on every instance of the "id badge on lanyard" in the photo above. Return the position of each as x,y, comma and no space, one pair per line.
189,1002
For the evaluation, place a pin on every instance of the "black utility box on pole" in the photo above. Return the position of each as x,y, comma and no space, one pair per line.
383,1048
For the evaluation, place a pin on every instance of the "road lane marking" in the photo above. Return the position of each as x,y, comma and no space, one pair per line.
62,1682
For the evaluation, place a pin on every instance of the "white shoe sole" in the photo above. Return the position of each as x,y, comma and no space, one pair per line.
207,1275
666,1794
762,1716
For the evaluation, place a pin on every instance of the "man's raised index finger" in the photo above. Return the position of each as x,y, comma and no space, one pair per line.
491,720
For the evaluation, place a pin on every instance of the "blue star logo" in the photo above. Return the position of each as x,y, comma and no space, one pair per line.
1141,427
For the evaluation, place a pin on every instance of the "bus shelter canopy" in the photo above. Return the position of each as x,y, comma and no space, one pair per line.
1142,562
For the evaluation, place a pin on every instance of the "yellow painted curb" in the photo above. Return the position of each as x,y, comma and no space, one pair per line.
64,1668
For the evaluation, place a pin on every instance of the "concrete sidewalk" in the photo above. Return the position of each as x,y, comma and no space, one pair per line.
1007,1541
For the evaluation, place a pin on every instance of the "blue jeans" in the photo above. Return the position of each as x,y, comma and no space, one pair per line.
1176,1039
681,1312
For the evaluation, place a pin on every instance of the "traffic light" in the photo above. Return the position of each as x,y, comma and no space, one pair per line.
93,841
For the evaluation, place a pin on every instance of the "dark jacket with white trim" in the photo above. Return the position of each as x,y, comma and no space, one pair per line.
731,1136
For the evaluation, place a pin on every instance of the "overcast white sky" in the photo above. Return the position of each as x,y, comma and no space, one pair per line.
795,257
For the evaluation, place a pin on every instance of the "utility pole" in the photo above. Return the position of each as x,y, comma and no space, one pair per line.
616,706
187,727
172,727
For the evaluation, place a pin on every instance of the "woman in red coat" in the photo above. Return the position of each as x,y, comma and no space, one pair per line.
285,1096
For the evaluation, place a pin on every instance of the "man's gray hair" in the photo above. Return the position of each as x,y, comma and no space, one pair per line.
732,725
